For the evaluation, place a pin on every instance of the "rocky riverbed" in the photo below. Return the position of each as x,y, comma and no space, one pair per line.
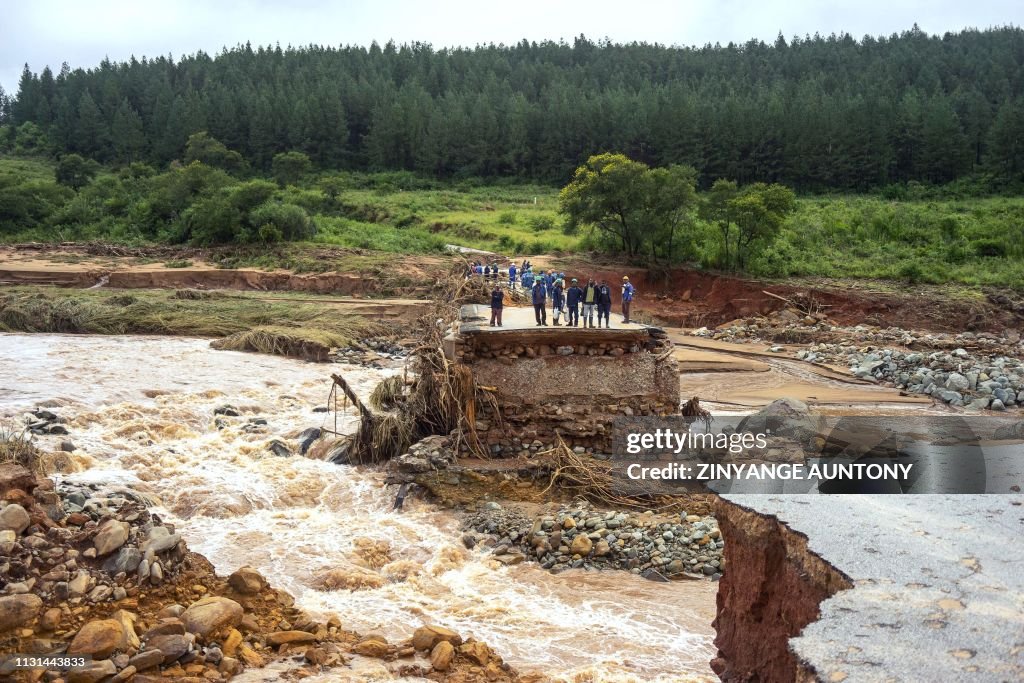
980,371
92,572
150,432
657,547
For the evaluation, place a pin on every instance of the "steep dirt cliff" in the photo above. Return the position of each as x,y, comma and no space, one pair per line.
770,591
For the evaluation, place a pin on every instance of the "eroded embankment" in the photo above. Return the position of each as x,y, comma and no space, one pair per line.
772,590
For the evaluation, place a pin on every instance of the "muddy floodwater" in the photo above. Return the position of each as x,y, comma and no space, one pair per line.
140,411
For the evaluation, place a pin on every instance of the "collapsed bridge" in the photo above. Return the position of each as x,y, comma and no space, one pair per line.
560,382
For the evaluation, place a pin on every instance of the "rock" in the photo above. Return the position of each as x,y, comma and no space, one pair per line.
372,646
997,405
958,382
172,647
160,539
125,674
14,476
654,575
279,448
429,635
92,672
581,545
111,536
282,637
783,417
127,621
226,410
170,626
50,620
147,660
79,584
211,615
98,639
170,611
442,655
247,581
476,651
307,437
126,560
15,518
231,643
17,610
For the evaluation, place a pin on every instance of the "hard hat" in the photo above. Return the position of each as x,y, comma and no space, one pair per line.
626,278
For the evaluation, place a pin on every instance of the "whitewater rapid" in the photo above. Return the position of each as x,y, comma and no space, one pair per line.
141,414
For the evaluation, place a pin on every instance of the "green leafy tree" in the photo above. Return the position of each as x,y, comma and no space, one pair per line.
759,211
717,209
205,148
279,221
610,193
212,220
290,167
75,171
631,205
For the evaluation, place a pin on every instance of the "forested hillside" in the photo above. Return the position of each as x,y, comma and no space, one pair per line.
814,113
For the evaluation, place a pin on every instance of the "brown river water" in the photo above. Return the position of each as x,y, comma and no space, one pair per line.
140,411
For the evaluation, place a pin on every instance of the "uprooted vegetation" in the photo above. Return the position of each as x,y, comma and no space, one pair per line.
241,322
440,397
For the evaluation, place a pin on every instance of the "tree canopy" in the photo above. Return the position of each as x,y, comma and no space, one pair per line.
634,208
813,112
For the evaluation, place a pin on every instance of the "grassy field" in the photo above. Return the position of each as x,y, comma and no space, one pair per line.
969,241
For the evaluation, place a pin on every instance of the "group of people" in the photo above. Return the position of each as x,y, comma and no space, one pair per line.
571,301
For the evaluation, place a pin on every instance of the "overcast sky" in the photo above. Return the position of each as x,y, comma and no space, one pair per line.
42,32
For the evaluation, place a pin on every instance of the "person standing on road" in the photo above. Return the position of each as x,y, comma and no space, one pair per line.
497,303
604,303
540,302
557,301
527,279
512,276
589,302
573,297
628,292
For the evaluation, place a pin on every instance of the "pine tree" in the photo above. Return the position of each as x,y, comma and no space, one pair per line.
92,135
126,131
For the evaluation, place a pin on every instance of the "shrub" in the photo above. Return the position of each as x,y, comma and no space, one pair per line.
541,223
989,248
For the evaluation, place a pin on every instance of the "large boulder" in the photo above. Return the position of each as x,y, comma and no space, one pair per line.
17,610
784,417
247,581
212,615
14,476
110,537
442,655
98,639
15,518
429,635
373,645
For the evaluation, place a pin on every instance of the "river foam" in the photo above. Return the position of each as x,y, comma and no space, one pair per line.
141,412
